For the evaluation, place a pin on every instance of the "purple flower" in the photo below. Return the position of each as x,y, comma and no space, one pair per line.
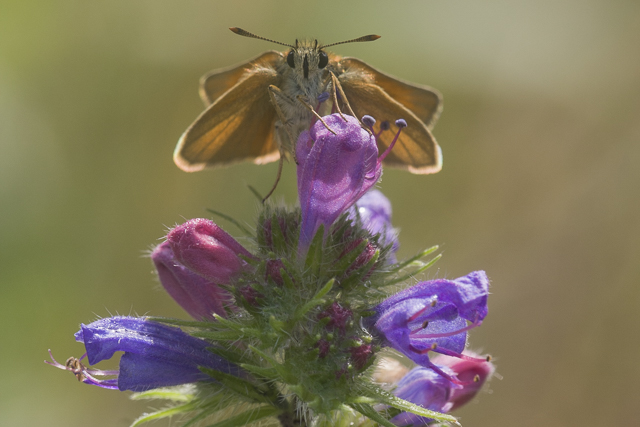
374,210
334,170
432,316
155,355
428,388
196,258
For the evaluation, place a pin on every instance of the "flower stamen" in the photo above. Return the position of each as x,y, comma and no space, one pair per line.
84,374
401,123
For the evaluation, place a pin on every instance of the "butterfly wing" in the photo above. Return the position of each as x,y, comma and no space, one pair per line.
424,101
217,82
416,150
239,125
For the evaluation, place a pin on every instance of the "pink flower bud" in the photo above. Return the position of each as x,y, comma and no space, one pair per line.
472,373
205,249
198,296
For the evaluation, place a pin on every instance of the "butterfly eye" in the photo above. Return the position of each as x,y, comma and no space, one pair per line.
290,59
324,60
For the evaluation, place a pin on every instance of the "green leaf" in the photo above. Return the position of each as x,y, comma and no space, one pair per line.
247,417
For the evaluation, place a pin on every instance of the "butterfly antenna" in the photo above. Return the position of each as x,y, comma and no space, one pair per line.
369,38
241,32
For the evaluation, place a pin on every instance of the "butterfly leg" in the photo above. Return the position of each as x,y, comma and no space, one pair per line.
337,88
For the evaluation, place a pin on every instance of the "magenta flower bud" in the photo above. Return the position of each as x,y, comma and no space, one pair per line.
334,170
198,296
205,249
363,258
338,317
273,271
361,355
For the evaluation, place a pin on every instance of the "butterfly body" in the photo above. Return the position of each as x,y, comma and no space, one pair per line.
256,110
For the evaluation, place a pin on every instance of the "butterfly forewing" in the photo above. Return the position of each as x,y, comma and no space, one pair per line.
241,117
424,101
417,150
217,82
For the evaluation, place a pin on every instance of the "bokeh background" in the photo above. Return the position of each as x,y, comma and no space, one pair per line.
540,186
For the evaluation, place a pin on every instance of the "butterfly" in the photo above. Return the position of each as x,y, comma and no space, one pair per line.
257,109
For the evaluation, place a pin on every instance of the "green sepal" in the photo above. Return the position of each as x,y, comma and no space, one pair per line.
313,261
244,331
179,322
315,301
385,397
284,374
176,394
269,373
414,272
350,257
288,281
247,417
277,325
277,236
228,354
399,266
218,335
239,386
372,414
232,221
163,413
357,275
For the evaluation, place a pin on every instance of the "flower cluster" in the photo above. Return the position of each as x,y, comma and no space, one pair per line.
290,329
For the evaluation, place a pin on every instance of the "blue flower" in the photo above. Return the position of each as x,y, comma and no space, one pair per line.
155,355
432,316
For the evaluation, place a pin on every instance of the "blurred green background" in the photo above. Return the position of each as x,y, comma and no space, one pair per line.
541,142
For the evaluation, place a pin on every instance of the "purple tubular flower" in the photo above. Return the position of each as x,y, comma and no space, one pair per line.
155,355
334,170
196,295
432,316
428,388
374,210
